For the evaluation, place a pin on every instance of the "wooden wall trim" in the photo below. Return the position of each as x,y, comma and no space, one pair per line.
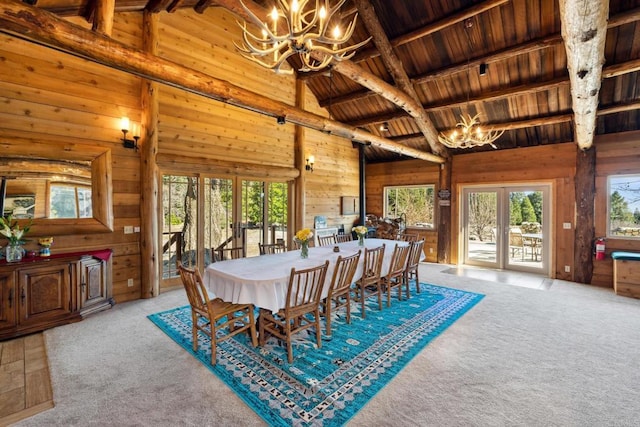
185,164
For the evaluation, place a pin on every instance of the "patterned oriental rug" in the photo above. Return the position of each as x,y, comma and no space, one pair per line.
326,386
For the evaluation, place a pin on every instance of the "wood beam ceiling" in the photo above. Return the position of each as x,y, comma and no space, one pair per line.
353,72
37,25
397,71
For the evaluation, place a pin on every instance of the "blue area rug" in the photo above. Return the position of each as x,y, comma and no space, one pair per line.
326,386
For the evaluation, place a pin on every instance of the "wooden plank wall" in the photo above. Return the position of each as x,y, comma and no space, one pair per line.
50,96
409,172
616,154
554,164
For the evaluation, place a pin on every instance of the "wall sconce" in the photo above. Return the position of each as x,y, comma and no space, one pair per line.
281,120
309,165
124,127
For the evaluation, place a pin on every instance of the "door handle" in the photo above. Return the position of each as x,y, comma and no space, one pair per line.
22,296
10,297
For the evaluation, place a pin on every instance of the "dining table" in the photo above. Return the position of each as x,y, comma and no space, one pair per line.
263,280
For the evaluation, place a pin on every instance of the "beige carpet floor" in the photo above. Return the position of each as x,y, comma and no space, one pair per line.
564,354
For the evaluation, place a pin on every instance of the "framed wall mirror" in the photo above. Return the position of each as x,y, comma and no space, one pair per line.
61,188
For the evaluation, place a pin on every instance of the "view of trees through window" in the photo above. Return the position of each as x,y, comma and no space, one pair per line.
414,203
70,201
624,206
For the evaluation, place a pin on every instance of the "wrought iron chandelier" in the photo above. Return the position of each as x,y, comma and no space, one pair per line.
468,133
307,35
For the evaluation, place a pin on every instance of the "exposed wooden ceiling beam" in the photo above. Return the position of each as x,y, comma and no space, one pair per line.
103,16
497,56
351,71
397,71
584,30
42,27
432,28
608,72
202,5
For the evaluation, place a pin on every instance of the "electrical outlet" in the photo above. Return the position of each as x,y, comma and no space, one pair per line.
130,283
136,229
128,229
430,250
566,225
567,269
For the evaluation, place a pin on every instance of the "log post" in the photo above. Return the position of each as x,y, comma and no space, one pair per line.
585,186
300,148
149,175
444,214
103,16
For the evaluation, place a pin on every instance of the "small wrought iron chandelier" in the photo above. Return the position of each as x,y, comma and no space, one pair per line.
307,35
468,133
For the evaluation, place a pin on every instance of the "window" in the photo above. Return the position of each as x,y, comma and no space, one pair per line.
413,203
70,201
623,206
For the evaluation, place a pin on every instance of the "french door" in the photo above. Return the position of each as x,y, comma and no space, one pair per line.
507,227
207,218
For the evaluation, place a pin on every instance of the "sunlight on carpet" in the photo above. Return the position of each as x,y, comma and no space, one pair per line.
326,386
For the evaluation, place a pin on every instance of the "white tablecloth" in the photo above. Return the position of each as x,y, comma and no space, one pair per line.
263,280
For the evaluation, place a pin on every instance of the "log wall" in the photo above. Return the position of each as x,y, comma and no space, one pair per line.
48,96
409,172
51,96
616,154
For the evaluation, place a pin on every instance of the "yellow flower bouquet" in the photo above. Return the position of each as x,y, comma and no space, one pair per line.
303,237
361,231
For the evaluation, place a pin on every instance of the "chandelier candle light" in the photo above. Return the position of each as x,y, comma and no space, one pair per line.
307,34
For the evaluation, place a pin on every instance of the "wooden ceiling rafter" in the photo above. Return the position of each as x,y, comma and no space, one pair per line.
432,28
353,72
544,42
584,30
157,6
39,26
397,71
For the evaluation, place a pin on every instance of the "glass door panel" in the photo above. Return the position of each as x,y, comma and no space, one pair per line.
480,230
179,223
221,235
527,229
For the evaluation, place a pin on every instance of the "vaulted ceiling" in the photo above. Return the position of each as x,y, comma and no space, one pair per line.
422,68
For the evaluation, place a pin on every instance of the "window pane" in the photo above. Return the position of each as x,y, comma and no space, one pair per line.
84,202
414,203
179,222
218,215
63,202
624,206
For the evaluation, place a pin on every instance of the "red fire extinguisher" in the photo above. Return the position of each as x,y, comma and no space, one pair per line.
600,248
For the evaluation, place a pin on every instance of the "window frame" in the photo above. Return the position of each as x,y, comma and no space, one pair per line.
385,193
608,233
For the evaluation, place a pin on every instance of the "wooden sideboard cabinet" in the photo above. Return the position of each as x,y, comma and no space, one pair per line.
42,293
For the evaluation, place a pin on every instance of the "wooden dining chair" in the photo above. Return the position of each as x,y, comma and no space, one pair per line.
407,237
271,248
342,238
370,284
413,262
222,254
207,315
396,277
339,295
327,240
301,311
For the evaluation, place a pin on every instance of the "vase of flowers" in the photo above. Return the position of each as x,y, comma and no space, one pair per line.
45,243
360,231
302,238
14,234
